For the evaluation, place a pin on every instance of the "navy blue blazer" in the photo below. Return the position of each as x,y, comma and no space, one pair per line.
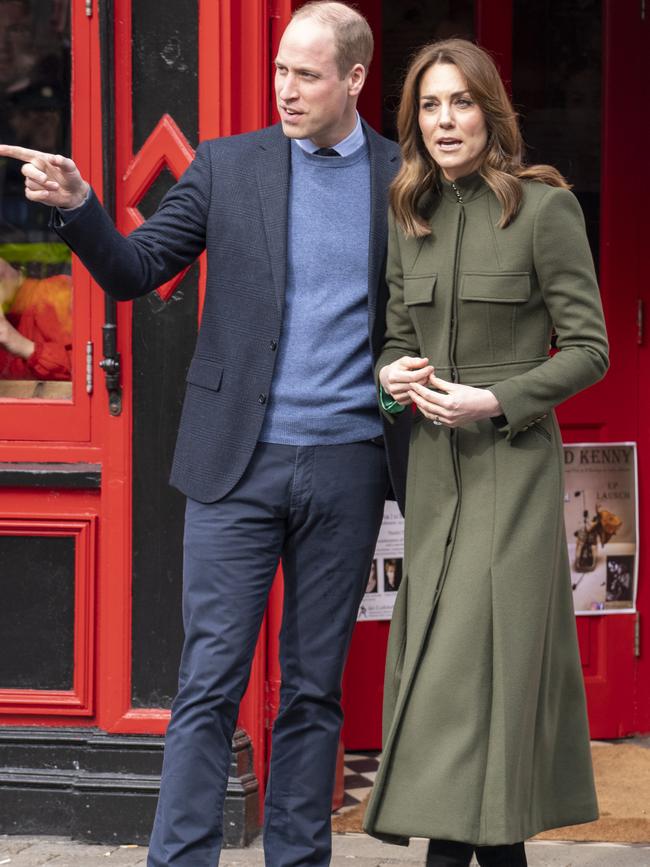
233,202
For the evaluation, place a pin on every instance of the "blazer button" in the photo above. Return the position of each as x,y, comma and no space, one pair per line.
273,345
261,398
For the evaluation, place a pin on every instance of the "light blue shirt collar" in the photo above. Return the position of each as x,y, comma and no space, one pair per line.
349,145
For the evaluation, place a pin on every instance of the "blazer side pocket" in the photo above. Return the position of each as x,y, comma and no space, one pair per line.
206,373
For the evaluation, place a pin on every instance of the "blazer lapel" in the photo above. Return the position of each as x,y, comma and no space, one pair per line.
273,177
382,171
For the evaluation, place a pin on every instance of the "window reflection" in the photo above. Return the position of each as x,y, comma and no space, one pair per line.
36,317
35,282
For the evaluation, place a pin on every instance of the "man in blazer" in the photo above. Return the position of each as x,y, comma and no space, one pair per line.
281,448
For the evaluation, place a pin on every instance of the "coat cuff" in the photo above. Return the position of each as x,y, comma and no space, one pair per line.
388,404
519,411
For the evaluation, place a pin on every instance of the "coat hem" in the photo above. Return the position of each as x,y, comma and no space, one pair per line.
444,834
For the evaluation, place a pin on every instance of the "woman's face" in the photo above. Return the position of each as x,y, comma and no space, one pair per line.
452,125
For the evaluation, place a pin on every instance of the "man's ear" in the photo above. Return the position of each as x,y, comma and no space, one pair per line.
356,79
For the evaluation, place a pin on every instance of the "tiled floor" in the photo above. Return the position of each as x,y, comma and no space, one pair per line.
360,771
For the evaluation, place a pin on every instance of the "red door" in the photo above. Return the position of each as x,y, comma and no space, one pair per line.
609,645
574,70
234,41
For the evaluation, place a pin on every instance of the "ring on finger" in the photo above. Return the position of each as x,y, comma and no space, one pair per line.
436,420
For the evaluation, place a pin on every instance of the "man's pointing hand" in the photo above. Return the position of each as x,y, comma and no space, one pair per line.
49,178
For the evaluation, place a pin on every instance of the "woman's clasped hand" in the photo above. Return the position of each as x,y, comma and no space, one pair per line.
452,403
413,380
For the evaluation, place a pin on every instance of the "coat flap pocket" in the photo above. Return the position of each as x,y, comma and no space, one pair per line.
512,287
418,289
205,373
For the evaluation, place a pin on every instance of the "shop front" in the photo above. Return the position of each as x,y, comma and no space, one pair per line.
90,532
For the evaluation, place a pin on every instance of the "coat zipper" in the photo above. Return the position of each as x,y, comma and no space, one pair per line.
454,309
453,338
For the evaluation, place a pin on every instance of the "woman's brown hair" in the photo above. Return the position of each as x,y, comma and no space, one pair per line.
502,166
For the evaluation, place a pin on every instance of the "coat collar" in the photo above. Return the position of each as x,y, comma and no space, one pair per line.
465,189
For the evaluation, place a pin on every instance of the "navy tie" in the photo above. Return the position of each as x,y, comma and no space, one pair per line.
327,152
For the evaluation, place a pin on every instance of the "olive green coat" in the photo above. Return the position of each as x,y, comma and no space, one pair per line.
485,728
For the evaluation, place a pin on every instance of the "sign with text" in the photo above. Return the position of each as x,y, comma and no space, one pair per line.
386,568
601,517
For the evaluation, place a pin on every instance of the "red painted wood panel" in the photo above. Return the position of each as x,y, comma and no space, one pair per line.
72,514
640,228
363,686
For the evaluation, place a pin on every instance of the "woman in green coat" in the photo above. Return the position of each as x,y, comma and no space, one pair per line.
486,739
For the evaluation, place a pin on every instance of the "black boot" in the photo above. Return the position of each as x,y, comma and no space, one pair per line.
502,856
447,853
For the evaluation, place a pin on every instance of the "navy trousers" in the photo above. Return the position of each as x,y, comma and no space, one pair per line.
318,508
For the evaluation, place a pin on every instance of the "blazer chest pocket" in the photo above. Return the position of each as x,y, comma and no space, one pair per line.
419,289
205,373
503,287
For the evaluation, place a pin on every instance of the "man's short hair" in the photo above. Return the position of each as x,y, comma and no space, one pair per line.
352,33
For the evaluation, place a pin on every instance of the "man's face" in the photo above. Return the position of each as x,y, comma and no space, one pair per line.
313,101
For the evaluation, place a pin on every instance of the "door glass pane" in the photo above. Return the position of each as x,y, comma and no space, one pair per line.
406,27
35,274
556,83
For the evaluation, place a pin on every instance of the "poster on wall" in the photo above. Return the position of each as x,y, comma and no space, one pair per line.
601,517
386,567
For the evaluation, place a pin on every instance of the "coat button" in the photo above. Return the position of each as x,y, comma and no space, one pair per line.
261,398
273,344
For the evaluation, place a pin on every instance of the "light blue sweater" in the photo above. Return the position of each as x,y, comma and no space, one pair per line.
323,390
